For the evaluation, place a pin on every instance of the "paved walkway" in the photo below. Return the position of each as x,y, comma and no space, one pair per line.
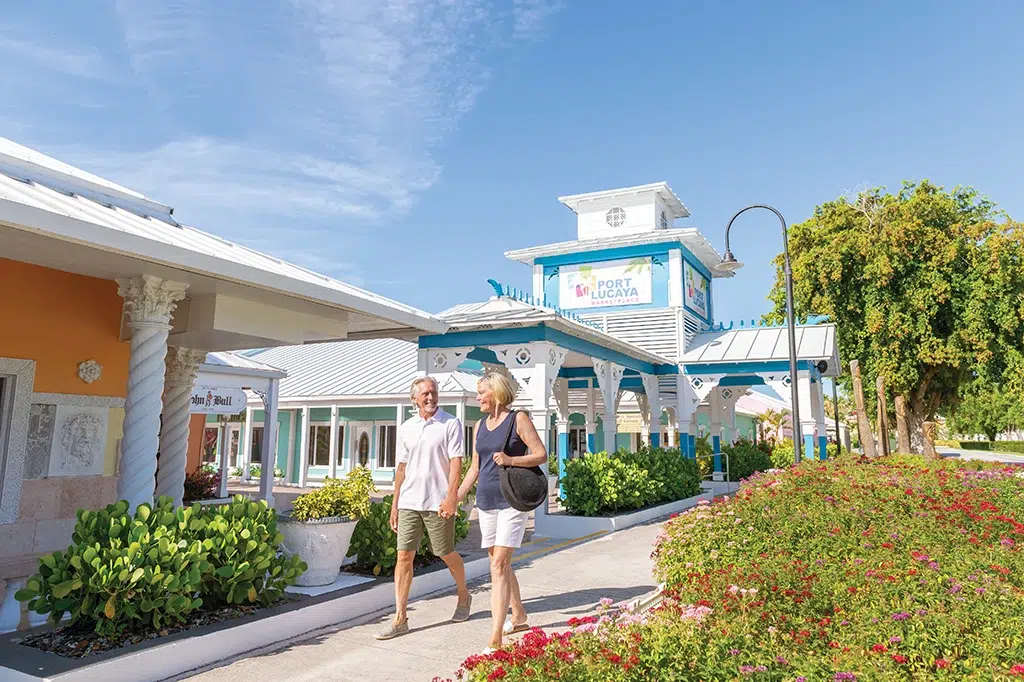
984,455
557,584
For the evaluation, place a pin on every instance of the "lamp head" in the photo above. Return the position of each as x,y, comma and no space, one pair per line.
729,263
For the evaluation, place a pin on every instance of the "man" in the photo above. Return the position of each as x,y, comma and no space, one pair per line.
430,450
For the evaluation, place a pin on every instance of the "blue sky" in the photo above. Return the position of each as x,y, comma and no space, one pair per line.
405,145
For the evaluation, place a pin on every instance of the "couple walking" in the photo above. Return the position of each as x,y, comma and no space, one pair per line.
429,490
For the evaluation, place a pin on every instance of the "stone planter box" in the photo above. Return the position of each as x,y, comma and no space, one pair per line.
322,544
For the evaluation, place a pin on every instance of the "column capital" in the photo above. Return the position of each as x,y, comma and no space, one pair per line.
150,300
183,366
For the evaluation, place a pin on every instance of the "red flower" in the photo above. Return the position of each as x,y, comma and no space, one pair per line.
1017,669
899,658
496,674
879,648
941,663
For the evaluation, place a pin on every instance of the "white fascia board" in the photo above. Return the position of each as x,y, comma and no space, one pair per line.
21,216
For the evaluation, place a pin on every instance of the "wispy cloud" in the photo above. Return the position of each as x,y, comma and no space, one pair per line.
25,54
315,115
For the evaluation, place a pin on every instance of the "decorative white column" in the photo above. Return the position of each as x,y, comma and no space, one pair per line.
148,304
304,447
652,390
716,433
818,410
333,449
223,446
591,418
290,465
268,449
245,457
460,414
179,382
806,432
609,377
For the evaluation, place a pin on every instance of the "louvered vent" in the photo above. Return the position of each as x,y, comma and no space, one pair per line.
691,327
655,331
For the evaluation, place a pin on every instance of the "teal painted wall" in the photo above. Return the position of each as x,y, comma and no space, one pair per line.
372,417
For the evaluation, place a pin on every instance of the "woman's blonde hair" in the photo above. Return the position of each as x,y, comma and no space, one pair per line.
501,387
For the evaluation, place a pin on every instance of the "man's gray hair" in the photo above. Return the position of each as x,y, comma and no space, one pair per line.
414,390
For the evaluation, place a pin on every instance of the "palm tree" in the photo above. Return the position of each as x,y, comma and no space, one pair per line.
775,420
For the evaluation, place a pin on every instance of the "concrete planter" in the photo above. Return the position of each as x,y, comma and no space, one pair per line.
321,543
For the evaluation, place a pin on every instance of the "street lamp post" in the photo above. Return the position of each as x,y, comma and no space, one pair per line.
730,264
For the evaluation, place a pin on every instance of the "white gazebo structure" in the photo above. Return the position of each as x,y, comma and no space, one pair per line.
222,386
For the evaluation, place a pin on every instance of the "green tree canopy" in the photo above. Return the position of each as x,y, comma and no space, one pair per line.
926,287
988,409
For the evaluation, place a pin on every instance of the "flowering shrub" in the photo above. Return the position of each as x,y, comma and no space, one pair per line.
782,455
893,569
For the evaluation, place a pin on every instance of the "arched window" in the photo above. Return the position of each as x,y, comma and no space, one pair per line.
363,449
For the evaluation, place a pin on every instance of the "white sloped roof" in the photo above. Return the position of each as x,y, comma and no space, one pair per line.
363,368
236,363
690,237
762,344
47,197
504,311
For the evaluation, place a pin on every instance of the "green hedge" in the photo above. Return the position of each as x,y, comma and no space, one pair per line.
1016,446
598,483
745,459
158,565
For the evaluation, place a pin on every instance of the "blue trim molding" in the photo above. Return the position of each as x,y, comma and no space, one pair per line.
744,367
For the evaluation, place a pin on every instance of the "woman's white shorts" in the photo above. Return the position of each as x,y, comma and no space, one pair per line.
502,527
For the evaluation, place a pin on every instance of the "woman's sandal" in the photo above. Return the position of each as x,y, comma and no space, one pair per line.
510,629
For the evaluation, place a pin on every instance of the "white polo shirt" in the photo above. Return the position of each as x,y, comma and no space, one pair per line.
425,446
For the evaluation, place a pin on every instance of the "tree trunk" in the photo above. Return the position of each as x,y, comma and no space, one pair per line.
928,433
867,439
883,418
902,429
917,414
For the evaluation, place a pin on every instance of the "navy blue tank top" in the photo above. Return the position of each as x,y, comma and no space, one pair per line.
488,487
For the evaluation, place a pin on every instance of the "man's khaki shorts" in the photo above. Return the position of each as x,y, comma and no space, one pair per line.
411,525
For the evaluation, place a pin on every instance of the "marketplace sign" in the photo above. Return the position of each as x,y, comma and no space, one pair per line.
605,285
213,400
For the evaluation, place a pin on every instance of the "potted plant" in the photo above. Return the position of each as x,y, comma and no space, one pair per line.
320,523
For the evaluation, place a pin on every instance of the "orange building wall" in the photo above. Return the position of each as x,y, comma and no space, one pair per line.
196,427
59,320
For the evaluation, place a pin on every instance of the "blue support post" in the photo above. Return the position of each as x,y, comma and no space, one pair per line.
716,447
563,453
809,446
591,442
655,439
822,448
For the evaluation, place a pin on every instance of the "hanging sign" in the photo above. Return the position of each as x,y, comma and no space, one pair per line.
629,422
695,290
604,285
214,400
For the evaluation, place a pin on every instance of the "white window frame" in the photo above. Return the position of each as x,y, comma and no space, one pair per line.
16,406
311,442
252,443
381,442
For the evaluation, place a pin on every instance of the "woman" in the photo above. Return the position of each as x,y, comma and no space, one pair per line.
501,526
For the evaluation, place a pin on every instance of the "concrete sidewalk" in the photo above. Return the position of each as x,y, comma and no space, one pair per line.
557,583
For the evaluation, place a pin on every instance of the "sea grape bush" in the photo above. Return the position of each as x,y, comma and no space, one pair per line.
602,483
158,565
847,570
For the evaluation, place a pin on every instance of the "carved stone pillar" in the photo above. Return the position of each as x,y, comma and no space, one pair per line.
149,302
179,382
